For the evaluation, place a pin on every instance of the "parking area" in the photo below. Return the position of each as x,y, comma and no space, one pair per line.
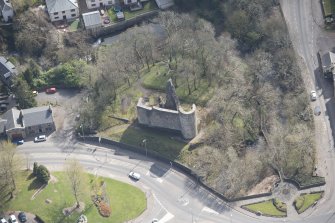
31,218
65,105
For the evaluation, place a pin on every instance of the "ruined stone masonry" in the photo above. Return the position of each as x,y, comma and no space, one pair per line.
169,115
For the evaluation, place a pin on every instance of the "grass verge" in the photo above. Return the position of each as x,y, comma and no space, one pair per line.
266,208
127,202
165,144
305,201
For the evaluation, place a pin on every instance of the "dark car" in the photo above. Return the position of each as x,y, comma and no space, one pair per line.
22,217
18,141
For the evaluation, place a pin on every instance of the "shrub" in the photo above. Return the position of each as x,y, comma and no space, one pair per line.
104,209
43,174
281,206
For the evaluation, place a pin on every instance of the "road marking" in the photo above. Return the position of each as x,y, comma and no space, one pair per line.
168,216
208,210
159,180
148,173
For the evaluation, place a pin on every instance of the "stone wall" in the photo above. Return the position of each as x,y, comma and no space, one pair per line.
179,120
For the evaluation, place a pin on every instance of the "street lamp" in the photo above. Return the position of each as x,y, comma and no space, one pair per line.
145,146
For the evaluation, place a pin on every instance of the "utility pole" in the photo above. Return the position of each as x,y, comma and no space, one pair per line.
145,146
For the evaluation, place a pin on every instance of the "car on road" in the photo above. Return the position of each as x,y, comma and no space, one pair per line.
18,141
12,219
134,175
35,93
40,138
155,220
22,217
313,95
317,110
51,90
2,220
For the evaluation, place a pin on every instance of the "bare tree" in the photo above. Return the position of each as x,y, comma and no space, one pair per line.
77,179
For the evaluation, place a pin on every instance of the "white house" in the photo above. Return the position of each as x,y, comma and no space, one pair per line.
91,4
6,10
62,9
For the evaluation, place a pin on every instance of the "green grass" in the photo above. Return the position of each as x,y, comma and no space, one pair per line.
74,25
305,201
328,7
157,77
266,208
127,202
147,7
164,144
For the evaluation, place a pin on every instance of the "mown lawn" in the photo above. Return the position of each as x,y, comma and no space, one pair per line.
127,202
303,202
162,143
266,208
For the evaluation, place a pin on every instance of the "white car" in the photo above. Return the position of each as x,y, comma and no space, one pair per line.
313,95
12,219
40,138
135,176
155,220
2,220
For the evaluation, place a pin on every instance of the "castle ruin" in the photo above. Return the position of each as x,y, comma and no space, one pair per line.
169,115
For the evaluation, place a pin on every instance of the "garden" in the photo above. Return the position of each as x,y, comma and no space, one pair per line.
305,201
270,208
108,200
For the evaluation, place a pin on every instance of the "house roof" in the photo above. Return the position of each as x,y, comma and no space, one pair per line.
164,4
11,117
3,123
328,59
6,66
31,117
60,5
92,18
5,5
37,116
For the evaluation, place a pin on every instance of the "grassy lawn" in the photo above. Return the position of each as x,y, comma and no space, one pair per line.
74,25
305,201
147,7
266,208
157,77
127,202
163,144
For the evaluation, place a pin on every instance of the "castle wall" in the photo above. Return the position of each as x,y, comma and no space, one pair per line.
185,122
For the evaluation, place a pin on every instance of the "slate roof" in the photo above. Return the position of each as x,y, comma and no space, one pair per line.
3,123
164,4
92,18
5,5
37,116
60,5
11,116
6,66
328,59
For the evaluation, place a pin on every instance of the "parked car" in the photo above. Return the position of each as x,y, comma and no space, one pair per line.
317,110
12,219
35,93
18,141
22,217
40,138
2,220
313,95
155,220
135,176
51,90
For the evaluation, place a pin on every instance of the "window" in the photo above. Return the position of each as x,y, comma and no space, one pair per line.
73,15
93,5
55,13
73,10
92,0
63,12
56,17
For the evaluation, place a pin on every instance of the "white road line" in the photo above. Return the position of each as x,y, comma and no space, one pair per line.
168,216
208,210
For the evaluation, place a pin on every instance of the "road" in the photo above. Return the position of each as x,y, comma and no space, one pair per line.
305,24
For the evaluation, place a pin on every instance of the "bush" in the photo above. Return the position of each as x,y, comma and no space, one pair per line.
43,174
104,209
281,206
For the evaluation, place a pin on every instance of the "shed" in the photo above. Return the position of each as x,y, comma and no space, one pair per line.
92,20
164,4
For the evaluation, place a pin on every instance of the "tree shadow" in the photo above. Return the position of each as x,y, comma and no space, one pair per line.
35,184
30,176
